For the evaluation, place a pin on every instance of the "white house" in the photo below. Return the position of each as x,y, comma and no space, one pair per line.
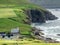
15,30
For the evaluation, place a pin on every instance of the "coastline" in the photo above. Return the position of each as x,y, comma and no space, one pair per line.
38,34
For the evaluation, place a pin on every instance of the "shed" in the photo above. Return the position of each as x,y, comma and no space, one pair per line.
15,30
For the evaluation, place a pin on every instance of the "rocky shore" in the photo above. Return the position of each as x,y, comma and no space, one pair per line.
36,33
39,16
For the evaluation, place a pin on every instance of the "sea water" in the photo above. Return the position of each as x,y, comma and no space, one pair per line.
51,28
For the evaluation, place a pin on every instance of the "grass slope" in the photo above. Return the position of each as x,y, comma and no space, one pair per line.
12,17
9,19
6,13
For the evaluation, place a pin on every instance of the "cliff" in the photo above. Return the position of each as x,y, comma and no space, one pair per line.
40,16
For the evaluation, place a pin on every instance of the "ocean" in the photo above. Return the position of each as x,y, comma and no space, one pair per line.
51,28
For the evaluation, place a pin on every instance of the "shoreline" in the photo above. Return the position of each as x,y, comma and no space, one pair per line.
38,34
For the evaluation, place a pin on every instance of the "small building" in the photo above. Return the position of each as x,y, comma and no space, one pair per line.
14,34
15,30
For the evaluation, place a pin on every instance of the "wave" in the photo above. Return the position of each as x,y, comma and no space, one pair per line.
46,28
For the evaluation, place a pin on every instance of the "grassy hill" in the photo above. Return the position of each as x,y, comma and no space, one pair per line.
9,11
12,15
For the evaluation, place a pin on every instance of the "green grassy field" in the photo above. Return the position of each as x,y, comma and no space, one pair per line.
12,15
10,19
25,42
6,13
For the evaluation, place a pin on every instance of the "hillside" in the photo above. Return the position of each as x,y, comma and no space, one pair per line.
12,15
15,13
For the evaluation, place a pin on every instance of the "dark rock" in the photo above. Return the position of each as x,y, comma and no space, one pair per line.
36,16
58,34
48,39
49,15
37,33
39,16
27,21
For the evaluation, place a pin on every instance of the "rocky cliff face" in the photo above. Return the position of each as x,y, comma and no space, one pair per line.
36,16
39,16
49,15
